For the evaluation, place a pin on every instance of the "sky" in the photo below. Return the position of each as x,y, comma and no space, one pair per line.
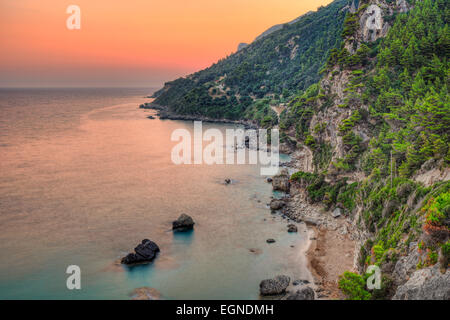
128,43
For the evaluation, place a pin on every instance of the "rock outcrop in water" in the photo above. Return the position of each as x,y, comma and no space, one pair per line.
276,286
280,182
183,223
144,252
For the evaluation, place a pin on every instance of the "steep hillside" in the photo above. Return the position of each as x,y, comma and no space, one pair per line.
377,125
268,71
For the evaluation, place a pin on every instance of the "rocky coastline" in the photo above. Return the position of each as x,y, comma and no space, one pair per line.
165,114
332,244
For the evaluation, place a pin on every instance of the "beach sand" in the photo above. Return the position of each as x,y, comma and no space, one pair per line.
329,255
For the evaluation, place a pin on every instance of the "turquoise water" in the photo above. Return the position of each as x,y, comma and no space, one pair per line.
85,176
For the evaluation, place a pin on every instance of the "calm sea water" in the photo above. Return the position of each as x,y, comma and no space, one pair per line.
85,176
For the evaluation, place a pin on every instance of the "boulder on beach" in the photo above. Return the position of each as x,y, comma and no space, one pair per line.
305,293
145,252
292,228
270,240
281,182
275,286
183,223
269,180
227,181
276,204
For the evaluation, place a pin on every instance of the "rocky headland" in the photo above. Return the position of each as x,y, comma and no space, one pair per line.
165,114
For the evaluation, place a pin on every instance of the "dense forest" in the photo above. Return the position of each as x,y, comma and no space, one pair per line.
269,70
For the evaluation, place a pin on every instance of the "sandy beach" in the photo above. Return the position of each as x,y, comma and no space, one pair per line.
331,249
329,255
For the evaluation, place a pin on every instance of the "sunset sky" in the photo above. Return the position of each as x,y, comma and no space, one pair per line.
128,43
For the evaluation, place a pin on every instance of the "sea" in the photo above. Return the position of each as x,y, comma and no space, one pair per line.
85,176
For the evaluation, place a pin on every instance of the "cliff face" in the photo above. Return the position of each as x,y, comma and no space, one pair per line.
361,123
340,82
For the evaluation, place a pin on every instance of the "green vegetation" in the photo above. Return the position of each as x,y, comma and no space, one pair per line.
397,95
301,110
408,88
353,286
438,210
339,194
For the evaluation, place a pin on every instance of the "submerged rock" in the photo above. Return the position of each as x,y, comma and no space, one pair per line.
276,286
144,252
305,293
183,223
255,250
145,293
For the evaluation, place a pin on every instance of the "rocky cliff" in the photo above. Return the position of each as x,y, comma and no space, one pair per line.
364,124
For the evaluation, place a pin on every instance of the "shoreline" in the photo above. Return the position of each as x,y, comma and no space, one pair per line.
332,246
164,114
327,289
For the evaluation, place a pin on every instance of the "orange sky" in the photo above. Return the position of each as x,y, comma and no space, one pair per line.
132,42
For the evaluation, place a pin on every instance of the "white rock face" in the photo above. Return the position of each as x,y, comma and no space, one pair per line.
373,24
425,284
